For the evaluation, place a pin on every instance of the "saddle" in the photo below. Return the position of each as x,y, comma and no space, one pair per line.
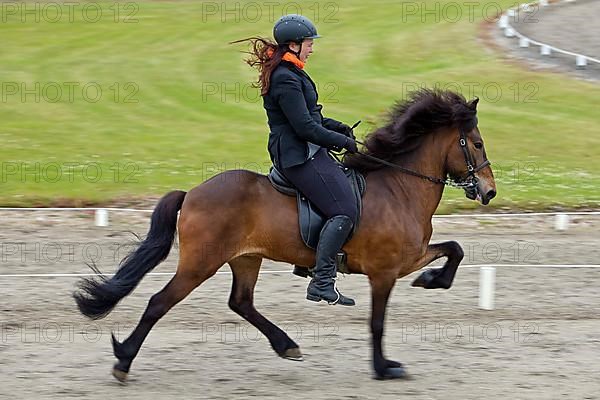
309,217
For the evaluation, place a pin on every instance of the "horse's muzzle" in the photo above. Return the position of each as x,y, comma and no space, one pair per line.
471,192
474,193
488,196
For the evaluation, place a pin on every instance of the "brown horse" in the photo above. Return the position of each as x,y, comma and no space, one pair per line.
238,218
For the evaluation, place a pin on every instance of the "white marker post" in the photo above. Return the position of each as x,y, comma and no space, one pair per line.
523,42
503,22
527,7
561,222
580,61
545,50
487,283
101,217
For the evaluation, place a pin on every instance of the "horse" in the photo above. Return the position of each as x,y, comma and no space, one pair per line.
236,217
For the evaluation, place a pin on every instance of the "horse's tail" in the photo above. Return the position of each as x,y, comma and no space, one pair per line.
97,297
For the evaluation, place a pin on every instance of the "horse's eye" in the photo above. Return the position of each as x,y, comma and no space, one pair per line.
478,145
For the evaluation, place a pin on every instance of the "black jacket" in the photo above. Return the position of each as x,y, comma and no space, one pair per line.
295,118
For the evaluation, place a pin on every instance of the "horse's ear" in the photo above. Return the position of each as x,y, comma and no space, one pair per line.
473,103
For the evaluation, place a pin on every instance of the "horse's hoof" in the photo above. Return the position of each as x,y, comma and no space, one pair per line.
392,373
430,279
424,280
121,376
293,354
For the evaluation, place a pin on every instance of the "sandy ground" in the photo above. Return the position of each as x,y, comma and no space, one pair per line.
541,342
569,26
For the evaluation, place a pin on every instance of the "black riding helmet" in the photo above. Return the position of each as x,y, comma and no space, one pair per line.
294,28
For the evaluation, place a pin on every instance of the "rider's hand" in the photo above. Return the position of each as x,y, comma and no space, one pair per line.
351,146
347,131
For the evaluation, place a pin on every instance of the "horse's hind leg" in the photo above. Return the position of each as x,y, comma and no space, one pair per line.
440,278
245,273
187,278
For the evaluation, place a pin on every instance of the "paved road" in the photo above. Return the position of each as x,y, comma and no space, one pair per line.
570,26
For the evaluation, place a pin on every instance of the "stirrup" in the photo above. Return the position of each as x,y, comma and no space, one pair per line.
340,261
303,272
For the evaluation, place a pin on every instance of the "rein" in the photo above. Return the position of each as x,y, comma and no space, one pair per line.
469,182
402,169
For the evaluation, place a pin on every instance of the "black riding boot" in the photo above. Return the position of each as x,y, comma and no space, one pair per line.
332,238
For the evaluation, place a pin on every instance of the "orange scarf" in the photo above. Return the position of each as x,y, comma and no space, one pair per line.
293,59
289,57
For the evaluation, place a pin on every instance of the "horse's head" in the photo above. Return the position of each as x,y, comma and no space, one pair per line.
467,162
431,113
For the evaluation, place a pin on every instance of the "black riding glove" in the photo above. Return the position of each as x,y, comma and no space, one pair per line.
351,146
345,130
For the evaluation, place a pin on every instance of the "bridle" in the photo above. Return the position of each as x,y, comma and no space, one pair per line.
468,182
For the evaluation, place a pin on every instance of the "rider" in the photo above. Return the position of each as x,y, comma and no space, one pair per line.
299,139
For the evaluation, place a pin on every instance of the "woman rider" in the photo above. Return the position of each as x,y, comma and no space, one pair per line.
299,139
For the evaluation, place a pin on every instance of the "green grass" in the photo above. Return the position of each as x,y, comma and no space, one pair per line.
544,148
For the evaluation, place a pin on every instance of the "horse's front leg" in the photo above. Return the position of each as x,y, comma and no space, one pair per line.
381,286
439,278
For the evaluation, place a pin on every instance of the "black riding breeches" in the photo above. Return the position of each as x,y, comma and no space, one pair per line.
324,183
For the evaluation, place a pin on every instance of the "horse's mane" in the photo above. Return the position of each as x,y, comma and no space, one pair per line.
424,111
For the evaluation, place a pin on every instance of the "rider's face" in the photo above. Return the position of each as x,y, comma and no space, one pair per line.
307,45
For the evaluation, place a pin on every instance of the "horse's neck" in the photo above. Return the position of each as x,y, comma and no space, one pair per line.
420,195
